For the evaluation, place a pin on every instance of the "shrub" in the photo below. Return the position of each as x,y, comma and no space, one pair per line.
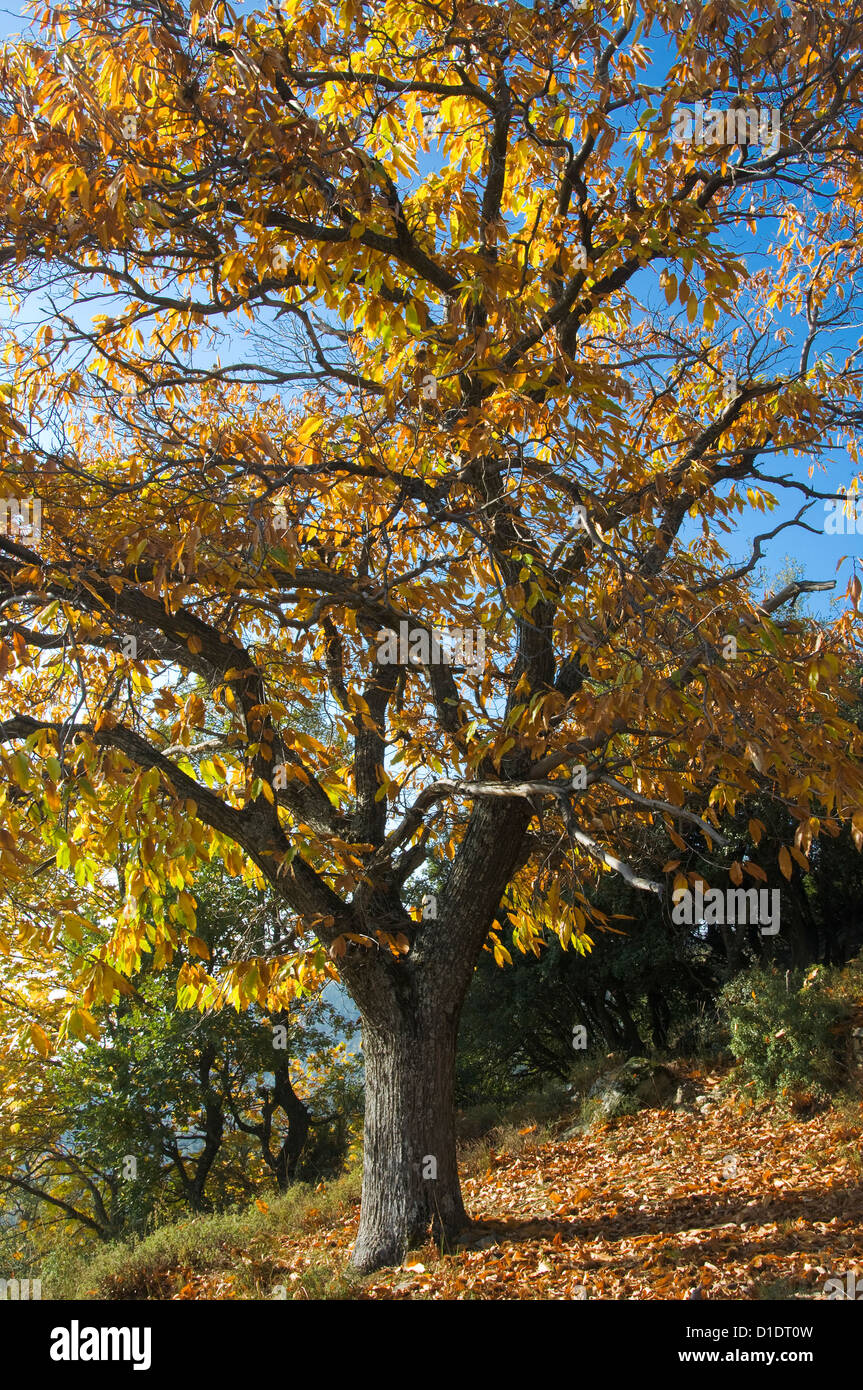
784,1029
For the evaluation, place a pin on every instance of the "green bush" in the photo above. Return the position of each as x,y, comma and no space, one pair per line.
785,1029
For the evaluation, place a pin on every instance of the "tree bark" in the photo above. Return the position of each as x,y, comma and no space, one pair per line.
410,1173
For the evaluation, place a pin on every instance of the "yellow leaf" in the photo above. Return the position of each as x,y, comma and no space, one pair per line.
40,1040
501,954
785,863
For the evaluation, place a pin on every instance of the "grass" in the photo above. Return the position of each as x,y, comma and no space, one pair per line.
782,1290
248,1239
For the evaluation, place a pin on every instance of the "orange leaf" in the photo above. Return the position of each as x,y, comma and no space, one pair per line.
756,871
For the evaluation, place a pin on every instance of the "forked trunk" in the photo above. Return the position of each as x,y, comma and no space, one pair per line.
410,1175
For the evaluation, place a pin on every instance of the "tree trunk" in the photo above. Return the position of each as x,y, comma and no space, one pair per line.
804,937
214,1129
410,1175
660,1017
608,1027
632,1043
297,1115
410,1008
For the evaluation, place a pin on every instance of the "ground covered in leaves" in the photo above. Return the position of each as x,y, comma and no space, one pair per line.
731,1203
734,1200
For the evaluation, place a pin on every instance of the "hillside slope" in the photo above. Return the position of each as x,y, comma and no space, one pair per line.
730,1200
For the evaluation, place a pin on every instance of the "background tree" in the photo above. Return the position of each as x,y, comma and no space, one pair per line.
651,984
512,381
172,1108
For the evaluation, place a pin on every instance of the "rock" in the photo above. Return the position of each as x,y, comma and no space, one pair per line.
637,1085
483,1242
576,1131
683,1095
